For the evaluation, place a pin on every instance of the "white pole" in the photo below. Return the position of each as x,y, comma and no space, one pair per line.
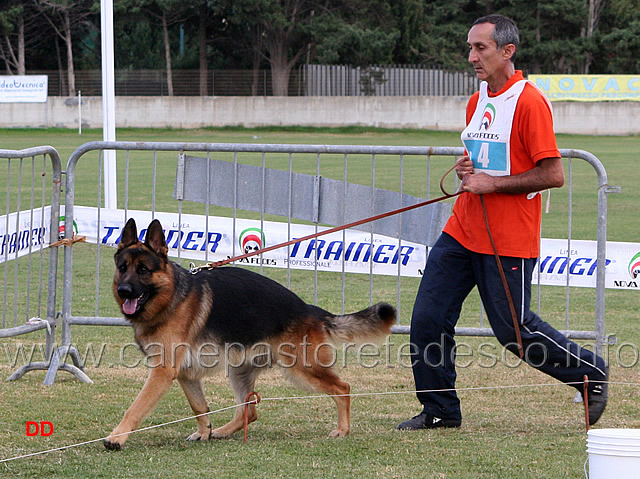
79,112
108,103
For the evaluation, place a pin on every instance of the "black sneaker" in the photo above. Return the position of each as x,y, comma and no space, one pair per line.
427,421
598,396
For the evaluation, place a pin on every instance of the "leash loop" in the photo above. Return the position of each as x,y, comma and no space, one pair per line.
445,192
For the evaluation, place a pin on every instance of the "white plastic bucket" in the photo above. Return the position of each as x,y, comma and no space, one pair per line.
614,453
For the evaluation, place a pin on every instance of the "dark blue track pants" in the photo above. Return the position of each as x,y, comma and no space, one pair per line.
450,274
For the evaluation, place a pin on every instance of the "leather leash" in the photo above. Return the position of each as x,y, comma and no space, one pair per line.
337,228
505,284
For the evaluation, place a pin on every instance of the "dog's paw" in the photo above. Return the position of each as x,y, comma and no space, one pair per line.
199,436
112,445
218,434
338,433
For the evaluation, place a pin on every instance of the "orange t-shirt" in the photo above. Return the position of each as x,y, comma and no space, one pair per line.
514,220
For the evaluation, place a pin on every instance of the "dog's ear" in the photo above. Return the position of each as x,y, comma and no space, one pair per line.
129,234
155,239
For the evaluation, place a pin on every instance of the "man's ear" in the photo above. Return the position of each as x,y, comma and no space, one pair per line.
155,239
129,234
508,51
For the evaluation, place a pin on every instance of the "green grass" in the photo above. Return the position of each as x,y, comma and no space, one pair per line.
529,432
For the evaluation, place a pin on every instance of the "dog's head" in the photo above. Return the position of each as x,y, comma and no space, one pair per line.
141,271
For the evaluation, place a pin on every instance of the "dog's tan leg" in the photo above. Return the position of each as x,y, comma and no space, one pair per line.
194,391
326,381
312,369
243,380
157,384
344,408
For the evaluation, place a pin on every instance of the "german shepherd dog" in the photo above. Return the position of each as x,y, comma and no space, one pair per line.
248,320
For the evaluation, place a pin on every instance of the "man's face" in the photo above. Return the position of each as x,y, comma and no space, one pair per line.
484,55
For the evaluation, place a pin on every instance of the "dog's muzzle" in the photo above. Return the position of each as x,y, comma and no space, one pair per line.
131,304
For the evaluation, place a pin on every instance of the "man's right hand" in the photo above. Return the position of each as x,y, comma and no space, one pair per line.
464,166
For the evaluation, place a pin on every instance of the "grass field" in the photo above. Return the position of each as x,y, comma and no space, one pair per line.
511,427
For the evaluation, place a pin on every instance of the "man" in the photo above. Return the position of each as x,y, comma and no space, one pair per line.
511,155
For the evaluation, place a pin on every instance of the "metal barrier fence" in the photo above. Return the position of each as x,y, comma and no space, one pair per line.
385,80
29,223
235,188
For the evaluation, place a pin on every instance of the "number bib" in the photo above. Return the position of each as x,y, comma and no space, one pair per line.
487,136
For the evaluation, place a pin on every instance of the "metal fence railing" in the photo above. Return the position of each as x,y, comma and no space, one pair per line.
219,200
307,80
380,80
28,224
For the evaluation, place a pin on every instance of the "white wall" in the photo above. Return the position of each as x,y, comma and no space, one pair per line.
432,113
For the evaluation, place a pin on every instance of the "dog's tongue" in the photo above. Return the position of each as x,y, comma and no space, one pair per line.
130,305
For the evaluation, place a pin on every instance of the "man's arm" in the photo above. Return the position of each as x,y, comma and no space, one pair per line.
548,173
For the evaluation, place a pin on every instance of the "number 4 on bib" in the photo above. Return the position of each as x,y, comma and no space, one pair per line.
483,155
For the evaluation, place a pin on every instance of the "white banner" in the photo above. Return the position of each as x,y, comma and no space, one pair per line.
357,251
24,232
557,260
24,88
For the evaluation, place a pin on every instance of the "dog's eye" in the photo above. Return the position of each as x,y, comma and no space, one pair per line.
142,269
122,268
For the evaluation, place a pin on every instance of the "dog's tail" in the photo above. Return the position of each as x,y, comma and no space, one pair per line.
371,324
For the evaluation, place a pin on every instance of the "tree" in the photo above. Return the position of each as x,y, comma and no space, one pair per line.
65,17
279,25
410,15
211,23
202,46
445,27
619,40
557,36
357,32
595,12
12,43
162,13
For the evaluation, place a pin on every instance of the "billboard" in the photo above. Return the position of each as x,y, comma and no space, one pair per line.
589,87
24,88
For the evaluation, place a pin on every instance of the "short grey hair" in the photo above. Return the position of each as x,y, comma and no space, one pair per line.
505,31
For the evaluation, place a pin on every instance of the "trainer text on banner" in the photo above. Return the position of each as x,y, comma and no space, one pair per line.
589,87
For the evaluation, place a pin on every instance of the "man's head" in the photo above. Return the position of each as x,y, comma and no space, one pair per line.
493,41
505,31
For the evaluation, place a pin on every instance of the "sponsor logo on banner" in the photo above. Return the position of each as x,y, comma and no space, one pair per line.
23,88
62,226
251,240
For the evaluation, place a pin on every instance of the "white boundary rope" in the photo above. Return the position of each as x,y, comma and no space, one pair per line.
288,398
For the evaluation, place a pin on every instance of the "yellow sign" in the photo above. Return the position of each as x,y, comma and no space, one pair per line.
589,87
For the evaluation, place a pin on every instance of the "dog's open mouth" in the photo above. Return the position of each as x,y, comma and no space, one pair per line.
132,305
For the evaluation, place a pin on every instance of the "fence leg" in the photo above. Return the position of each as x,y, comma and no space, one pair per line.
22,370
38,365
56,364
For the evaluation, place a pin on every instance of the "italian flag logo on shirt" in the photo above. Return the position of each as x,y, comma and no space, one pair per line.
487,117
